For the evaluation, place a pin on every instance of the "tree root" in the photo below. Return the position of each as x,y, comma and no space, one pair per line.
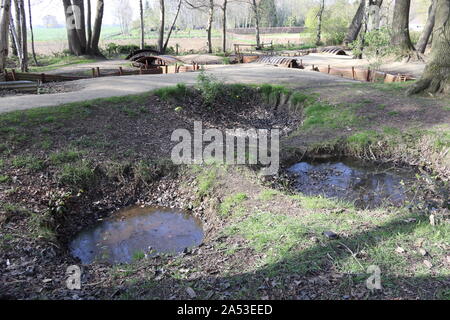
429,85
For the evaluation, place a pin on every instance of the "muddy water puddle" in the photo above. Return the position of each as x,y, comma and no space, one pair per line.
133,232
365,184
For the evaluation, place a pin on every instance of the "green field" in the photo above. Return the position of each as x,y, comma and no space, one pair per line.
113,33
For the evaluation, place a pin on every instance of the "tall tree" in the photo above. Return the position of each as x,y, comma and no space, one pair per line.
428,29
33,50
356,24
257,18
162,12
319,24
436,77
210,25
368,13
93,45
89,21
5,10
224,25
75,45
141,11
400,28
208,7
79,44
23,35
166,43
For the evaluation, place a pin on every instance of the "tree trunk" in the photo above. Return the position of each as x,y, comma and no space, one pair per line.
161,26
356,24
428,29
33,50
224,26
4,32
95,50
319,25
210,23
257,19
23,29
141,9
89,25
16,45
400,28
166,43
75,46
81,24
436,77
15,24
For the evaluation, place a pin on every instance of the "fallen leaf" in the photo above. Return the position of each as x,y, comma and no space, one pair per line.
423,252
428,263
400,250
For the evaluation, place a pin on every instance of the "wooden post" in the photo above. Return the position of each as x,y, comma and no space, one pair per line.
329,68
14,76
140,70
176,48
353,73
43,77
98,72
368,74
93,72
166,67
120,71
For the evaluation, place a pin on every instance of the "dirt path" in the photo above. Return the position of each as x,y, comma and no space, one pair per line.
127,85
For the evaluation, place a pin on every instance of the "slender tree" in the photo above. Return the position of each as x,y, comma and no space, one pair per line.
166,43
224,25
428,29
4,32
141,11
210,25
89,22
257,17
436,76
162,12
319,24
33,50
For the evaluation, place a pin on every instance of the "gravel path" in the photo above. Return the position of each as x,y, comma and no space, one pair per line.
126,85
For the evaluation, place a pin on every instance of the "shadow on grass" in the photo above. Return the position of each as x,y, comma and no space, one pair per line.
305,267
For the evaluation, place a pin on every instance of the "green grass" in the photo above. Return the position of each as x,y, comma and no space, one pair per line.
230,202
295,243
359,141
4,179
62,157
206,180
28,162
319,202
268,194
178,91
79,175
323,115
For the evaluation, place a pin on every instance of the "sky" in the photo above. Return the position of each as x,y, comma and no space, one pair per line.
41,8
